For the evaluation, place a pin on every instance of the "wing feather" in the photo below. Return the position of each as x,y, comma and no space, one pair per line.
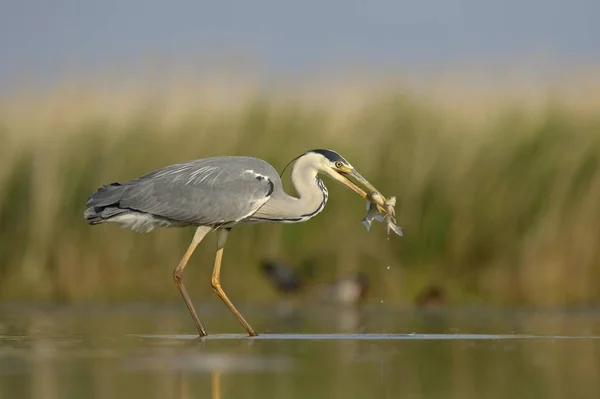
207,191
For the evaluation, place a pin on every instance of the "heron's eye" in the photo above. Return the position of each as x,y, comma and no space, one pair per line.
339,165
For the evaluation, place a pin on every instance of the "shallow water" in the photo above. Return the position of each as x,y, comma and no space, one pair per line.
151,351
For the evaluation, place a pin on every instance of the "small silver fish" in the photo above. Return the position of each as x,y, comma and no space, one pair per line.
373,213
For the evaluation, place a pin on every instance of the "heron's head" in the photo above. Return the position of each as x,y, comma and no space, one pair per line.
338,168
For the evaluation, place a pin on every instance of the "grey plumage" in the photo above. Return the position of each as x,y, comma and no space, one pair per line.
201,192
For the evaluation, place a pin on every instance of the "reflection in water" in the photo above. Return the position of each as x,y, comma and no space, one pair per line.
182,390
340,319
43,375
216,384
129,352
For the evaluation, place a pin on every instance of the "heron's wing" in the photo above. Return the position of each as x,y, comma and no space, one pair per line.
208,191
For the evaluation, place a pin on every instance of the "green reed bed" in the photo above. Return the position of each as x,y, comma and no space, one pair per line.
505,210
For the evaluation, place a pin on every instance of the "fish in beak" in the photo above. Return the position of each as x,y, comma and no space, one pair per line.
378,207
373,213
344,178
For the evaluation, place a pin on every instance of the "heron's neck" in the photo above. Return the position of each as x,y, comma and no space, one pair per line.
312,197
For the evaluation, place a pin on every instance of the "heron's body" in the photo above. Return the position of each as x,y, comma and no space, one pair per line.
204,192
216,194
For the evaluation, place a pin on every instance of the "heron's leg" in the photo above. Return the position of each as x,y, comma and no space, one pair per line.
216,281
201,232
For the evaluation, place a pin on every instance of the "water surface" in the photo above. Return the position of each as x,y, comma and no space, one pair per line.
151,351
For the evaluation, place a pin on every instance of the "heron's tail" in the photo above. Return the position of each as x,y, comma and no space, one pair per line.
104,204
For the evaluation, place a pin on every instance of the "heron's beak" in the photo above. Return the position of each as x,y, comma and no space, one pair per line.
344,179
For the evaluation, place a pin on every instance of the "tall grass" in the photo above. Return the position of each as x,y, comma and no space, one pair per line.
498,197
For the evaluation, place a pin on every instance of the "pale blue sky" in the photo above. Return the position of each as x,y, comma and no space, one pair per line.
43,38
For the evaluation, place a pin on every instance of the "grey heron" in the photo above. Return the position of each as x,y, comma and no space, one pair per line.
216,194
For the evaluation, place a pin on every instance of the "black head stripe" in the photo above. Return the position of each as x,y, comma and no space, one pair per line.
331,155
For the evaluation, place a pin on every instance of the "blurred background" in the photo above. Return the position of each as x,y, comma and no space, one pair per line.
481,117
